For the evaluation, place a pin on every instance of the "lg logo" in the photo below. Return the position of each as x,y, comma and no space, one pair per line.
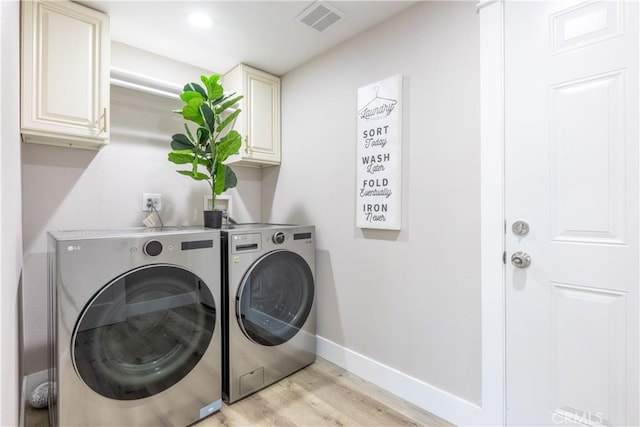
72,248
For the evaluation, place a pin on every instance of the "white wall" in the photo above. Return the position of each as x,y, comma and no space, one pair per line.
407,300
66,188
132,59
10,228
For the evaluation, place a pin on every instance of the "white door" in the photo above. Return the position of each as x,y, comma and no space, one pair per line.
571,141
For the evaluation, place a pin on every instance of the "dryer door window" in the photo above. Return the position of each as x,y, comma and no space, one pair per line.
275,298
143,332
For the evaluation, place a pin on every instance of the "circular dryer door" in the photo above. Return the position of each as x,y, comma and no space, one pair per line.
275,298
143,332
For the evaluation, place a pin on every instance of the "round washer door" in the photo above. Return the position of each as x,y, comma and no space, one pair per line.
275,298
143,332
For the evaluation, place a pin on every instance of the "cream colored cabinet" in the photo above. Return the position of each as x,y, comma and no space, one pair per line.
259,121
65,74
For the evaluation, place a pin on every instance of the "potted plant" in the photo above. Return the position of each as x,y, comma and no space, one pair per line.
208,107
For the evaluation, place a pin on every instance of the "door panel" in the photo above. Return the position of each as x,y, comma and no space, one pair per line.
571,156
588,352
588,207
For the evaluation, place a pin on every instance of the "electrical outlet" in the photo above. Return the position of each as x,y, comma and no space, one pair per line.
155,198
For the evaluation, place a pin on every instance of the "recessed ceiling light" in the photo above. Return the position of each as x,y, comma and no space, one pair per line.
200,20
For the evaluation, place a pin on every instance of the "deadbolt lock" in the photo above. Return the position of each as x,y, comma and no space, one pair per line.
520,228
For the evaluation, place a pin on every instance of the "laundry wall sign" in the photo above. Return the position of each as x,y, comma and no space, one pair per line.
379,155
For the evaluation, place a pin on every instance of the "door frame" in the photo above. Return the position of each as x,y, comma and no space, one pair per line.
492,209
492,213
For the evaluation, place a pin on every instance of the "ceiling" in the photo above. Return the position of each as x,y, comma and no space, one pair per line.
264,34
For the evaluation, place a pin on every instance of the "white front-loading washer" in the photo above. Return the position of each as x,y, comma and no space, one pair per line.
135,328
268,296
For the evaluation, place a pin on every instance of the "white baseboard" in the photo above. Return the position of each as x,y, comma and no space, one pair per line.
439,402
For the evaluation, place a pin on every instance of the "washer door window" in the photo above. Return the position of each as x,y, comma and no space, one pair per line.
143,332
275,298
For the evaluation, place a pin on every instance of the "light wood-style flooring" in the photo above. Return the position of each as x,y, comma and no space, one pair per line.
321,394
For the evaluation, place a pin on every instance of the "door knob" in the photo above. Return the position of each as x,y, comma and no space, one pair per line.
521,260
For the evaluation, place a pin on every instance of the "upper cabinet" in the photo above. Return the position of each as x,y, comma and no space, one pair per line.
65,74
259,122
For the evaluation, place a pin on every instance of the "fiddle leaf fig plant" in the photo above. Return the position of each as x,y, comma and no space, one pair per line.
207,109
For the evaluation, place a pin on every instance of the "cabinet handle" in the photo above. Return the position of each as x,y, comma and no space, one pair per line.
105,118
247,149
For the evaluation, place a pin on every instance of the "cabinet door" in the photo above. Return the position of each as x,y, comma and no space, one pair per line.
262,117
259,122
65,81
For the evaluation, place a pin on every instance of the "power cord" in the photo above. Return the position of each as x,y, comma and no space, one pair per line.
157,213
151,205
226,216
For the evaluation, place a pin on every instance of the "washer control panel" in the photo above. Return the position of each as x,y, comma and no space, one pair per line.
152,248
278,238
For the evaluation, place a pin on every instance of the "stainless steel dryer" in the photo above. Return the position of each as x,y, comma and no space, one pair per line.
135,326
268,295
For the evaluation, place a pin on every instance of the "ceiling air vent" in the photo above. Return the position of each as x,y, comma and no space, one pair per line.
320,16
